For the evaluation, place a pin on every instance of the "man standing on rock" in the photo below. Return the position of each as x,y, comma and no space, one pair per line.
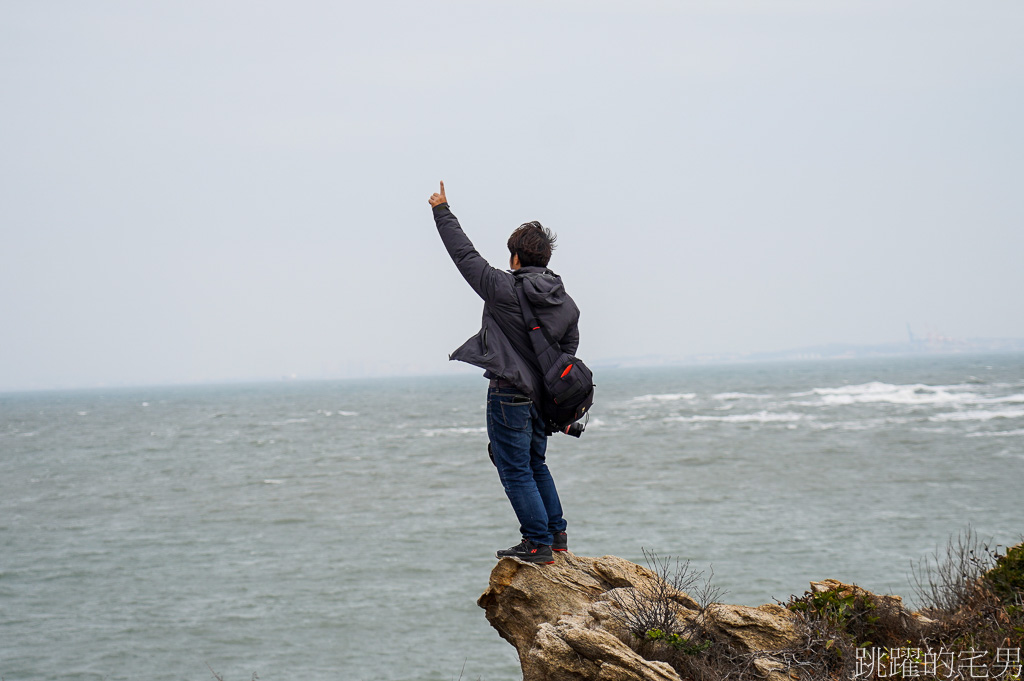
517,433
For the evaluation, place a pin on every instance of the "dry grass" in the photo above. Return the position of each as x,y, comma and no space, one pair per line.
971,595
972,599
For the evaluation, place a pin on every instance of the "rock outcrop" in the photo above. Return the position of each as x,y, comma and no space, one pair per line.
558,618
565,620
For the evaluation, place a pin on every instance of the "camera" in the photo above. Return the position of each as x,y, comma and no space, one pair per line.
575,429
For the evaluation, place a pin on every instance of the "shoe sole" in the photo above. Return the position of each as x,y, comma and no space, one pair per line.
528,559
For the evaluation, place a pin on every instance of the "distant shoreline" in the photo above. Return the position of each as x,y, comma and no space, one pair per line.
830,352
997,346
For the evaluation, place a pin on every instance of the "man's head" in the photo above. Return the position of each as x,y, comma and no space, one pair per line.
532,244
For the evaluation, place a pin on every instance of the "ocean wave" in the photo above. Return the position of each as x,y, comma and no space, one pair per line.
665,397
1012,399
739,396
432,432
874,392
862,424
285,422
979,415
759,417
999,433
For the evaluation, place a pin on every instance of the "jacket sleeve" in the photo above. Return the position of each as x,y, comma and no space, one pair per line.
473,267
571,340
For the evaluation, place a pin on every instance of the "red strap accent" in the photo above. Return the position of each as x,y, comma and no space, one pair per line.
535,328
567,370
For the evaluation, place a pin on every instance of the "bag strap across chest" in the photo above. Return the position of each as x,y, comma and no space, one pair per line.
544,346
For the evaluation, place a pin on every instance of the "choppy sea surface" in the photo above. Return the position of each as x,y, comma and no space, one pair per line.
343,530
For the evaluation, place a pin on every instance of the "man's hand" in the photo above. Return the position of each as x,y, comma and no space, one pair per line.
438,199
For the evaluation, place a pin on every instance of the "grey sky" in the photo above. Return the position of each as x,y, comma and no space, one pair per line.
224,190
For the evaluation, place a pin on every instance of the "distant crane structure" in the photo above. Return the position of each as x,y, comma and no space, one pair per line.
934,341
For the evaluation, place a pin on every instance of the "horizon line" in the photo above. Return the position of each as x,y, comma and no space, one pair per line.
844,352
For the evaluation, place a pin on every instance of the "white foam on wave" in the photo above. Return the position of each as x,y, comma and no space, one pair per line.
273,482
1007,453
999,433
665,397
1011,399
863,424
740,396
432,432
979,415
940,430
875,392
759,417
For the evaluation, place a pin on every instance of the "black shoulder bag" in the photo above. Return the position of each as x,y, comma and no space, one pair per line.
567,382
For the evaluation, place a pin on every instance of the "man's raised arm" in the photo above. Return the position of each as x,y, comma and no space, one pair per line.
476,271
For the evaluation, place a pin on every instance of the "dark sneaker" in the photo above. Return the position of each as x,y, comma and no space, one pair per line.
528,551
561,542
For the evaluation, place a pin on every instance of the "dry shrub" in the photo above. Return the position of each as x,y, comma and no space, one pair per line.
839,620
950,578
974,593
659,604
972,598
667,620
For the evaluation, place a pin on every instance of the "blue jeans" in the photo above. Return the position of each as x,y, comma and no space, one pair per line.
518,444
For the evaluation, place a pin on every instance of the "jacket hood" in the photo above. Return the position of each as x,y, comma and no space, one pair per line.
542,286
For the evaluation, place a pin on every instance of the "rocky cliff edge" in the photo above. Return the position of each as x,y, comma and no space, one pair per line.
568,622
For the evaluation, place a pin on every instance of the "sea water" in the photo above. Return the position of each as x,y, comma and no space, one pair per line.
344,530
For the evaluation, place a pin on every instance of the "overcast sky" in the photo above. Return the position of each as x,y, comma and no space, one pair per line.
210,191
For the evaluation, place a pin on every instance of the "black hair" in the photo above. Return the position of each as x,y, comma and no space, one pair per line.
533,242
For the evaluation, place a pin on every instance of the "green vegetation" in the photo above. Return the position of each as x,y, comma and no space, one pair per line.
1006,579
839,620
680,643
658,629
970,625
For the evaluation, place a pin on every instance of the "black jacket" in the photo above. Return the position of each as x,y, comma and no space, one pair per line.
502,347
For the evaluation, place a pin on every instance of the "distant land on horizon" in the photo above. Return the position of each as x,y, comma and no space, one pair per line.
931,344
